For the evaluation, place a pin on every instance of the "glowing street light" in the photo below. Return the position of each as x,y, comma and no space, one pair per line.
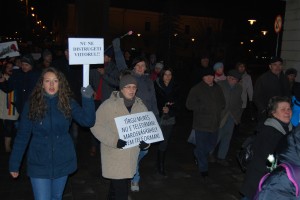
251,21
264,32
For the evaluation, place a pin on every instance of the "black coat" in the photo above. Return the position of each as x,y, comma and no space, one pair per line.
265,143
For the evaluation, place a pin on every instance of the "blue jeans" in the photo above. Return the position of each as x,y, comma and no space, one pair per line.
205,143
136,178
224,137
48,189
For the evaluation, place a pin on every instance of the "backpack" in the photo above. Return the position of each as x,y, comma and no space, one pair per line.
245,154
292,172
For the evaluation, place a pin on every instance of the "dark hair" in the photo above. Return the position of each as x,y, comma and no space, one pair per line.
273,104
140,59
240,63
37,104
163,71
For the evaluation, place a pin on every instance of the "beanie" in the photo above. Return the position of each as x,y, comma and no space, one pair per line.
159,65
234,73
291,71
126,80
207,71
28,59
218,65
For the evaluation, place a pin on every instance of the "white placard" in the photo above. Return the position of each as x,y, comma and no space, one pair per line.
138,127
86,51
9,49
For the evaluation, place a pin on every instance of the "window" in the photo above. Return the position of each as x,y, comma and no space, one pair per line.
147,26
187,29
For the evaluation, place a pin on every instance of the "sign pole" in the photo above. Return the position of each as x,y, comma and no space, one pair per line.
86,74
277,29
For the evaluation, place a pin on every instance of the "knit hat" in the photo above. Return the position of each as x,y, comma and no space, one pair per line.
218,65
275,59
207,71
234,73
28,59
291,71
126,80
159,65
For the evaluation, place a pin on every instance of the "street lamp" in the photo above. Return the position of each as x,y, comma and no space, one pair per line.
264,32
251,21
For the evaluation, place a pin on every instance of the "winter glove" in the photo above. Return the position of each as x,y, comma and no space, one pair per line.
121,144
144,146
87,92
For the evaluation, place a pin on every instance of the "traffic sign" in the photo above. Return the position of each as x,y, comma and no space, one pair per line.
278,24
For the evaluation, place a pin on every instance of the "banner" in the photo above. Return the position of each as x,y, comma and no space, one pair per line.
138,127
9,49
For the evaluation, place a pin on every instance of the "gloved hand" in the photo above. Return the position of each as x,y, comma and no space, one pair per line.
144,146
121,143
87,91
116,43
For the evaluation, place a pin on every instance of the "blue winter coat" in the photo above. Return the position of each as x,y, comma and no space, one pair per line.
51,152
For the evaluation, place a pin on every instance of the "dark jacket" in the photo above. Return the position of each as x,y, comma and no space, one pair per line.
267,86
165,94
277,185
51,152
22,83
207,103
265,143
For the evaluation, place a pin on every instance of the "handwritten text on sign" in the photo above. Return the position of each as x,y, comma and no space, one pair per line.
86,51
138,127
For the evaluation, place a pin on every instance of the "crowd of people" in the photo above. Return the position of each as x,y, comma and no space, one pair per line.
43,106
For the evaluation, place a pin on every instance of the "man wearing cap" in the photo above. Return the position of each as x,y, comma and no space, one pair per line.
198,69
231,114
271,83
207,101
118,164
22,81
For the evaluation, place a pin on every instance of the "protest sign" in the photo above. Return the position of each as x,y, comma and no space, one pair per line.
9,49
86,51
138,127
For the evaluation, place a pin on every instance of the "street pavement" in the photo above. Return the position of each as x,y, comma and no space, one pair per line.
183,181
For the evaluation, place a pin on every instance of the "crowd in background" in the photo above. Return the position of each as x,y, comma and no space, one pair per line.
217,96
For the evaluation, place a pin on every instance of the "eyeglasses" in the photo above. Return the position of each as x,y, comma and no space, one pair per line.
131,87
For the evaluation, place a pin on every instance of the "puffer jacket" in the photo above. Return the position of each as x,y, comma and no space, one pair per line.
51,152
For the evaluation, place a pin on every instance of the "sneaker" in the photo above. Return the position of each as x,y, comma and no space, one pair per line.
135,187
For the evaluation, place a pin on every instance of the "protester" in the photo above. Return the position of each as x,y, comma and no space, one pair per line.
267,140
167,96
291,74
156,72
207,101
271,83
8,112
146,92
44,129
118,164
231,115
219,72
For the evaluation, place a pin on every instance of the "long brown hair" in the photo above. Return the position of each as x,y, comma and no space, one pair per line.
37,103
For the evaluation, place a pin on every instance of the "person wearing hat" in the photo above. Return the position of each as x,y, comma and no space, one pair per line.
157,69
231,114
118,164
271,83
197,69
291,74
207,101
22,81
219,72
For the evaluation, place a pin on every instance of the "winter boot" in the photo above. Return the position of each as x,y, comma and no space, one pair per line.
161,163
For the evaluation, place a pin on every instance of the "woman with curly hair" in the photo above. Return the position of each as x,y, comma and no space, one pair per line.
44,128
